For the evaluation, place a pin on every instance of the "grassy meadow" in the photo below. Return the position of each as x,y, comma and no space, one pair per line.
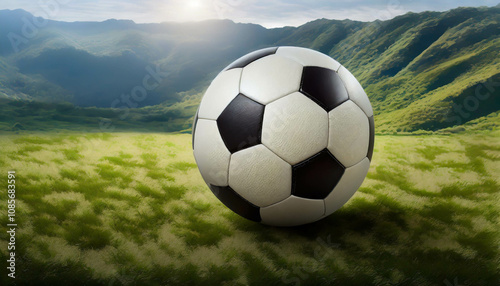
132,209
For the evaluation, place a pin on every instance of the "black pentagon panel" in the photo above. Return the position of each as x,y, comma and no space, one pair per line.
251,57
240,124
315,177
324,86
236,203
371,143
195,121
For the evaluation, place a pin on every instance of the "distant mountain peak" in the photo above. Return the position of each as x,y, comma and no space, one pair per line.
16,12
118,21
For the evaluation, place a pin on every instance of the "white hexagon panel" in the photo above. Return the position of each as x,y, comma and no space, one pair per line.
295,127
292,211
223,89
308,57
355,90
212,156
277,76
259,176
349,136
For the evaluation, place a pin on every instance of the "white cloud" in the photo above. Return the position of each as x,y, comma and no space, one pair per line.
269,13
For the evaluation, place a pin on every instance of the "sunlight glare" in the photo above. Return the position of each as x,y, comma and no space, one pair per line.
194,4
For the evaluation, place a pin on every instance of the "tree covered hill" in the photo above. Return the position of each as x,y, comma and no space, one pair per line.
422,71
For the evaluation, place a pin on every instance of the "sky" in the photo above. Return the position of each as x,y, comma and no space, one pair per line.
268,13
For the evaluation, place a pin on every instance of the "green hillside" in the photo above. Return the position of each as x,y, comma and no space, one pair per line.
427,71
416,66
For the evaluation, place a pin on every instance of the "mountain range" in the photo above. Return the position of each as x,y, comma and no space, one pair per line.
422,71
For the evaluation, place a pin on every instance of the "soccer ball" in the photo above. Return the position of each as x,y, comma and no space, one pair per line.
284,136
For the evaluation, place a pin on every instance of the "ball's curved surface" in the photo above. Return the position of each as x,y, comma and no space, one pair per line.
284,136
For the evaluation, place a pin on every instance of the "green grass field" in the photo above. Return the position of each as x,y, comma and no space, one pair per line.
132,209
